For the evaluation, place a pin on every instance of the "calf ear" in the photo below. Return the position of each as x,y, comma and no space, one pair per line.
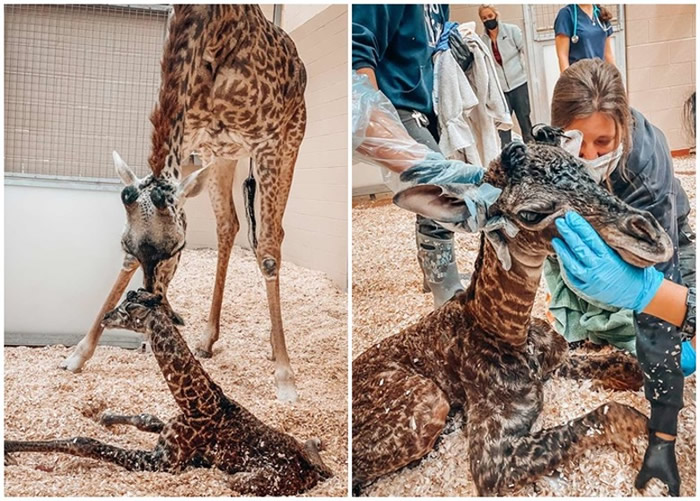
444,203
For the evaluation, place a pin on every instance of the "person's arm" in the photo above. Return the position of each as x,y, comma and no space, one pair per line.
373,28
669,303
369,72
609,54
379,137
518,39
563,30
561,43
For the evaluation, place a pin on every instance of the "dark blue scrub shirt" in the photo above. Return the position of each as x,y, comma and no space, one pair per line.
592,33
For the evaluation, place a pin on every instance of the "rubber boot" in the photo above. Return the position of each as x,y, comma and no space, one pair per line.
437,260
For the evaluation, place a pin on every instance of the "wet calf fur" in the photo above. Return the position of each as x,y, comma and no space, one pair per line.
484,352
212,431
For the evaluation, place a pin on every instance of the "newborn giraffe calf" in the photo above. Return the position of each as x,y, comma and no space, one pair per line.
483,352
212,431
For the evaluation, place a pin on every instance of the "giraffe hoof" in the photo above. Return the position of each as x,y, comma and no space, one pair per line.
74,362
286,389
314,444
176,318
202,353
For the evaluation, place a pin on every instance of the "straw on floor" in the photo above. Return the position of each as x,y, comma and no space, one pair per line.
44,402
387,297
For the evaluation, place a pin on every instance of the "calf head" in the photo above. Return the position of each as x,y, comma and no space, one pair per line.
135,313
539,183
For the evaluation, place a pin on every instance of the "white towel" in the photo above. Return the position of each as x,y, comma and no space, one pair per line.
470,108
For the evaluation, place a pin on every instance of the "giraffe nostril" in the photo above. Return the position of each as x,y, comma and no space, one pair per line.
639,226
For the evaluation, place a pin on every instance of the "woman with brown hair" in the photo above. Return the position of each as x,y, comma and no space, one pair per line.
621,149
583,31
507,48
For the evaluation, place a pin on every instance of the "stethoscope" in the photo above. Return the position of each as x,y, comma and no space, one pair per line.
574,38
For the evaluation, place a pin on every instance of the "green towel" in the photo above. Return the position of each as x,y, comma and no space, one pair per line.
579,319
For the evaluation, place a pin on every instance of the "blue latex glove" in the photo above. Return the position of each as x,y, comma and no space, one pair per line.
436,169
597,271
687,358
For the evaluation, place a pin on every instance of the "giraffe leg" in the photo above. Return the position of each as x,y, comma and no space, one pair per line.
86,347
274,168
499,466
136,460
219,183
397,416
617,370
144,422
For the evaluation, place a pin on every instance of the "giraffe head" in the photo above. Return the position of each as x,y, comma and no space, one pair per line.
539,183
155,217
136,312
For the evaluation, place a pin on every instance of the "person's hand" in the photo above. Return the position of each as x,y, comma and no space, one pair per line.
436,169
660,462
597,271
687,358
460,51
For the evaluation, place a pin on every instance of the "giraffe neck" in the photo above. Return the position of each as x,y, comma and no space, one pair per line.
501,301
181,59
194,391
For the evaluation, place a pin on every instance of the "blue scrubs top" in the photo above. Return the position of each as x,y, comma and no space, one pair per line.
592,33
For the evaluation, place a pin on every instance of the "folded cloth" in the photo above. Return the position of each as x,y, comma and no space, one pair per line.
470,106
577,319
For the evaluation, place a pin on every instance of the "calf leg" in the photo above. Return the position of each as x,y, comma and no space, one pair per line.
508,463
397,415
144,422
617,369
135,460
86,347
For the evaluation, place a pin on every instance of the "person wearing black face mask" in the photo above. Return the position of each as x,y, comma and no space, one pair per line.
505,42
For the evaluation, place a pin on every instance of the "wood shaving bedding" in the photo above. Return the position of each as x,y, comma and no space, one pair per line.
44,402
387,297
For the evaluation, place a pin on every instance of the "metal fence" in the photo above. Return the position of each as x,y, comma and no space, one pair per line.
80,81
544,16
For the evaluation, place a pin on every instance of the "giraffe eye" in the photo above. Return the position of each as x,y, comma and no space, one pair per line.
531,217
129,195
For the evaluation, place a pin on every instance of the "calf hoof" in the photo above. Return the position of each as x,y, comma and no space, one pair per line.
74,362
203,353
107,419
313,444
9,460
286,389
176,318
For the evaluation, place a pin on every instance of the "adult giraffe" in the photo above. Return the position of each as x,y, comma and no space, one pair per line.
232,85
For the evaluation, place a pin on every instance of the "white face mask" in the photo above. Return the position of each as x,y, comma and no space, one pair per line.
599,168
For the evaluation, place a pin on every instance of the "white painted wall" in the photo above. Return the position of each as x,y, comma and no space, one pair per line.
62,255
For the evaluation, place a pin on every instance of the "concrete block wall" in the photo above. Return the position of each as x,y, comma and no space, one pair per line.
661,65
